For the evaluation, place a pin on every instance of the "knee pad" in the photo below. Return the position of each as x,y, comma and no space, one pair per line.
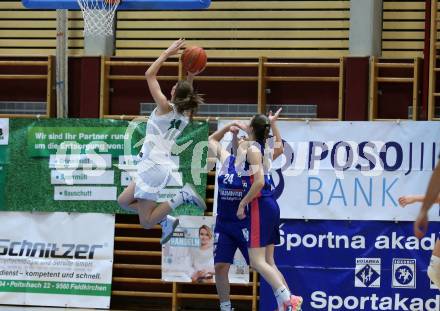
434,270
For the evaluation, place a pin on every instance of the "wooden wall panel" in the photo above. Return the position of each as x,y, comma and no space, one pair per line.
229,28
241,29
33,32
403,28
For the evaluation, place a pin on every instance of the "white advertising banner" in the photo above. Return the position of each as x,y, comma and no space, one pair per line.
189,255
353,170
56,259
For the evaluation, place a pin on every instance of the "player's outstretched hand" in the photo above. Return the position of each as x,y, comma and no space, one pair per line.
175,47
274,117
234,129
243,126
405,200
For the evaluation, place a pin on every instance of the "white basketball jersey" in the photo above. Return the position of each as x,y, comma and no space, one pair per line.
161,133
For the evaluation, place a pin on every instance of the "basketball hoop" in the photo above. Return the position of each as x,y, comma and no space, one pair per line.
98,16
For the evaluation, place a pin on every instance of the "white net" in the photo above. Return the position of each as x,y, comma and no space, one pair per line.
98,16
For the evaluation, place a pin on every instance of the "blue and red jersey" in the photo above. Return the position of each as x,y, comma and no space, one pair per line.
263,211
230,191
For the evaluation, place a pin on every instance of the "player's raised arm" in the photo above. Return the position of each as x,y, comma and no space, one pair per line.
256,170
190,77
151,76
278,143
215,147
414,198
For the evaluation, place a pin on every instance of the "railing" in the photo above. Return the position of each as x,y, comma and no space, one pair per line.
327,78
261,78
409,75
433,60
48,63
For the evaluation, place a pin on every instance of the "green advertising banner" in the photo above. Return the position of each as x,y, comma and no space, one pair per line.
82,165
44,141
2,186
4,155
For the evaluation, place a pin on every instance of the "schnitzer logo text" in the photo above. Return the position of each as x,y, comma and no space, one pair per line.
27,248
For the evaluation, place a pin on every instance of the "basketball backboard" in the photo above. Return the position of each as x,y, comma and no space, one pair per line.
124,5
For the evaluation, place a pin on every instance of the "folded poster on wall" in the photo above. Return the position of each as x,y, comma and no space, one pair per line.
189,255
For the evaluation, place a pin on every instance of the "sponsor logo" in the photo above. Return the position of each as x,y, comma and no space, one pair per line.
371,158
367,272
329,240
404,273
333,240
47,250
320,300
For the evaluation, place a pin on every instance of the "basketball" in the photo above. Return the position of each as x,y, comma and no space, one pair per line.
194,59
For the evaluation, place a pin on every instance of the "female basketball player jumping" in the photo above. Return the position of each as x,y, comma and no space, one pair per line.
165,123
261,207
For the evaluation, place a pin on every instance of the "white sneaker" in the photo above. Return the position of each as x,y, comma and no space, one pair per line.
169,224
190,196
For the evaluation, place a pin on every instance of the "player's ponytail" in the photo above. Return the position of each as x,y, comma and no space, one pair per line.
185,99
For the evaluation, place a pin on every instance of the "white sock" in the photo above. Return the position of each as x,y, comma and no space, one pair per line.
225,306
282,294
176,201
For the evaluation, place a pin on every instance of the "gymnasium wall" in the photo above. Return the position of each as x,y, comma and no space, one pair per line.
403,28
243,30
13,89
26,32
126,95
230,28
